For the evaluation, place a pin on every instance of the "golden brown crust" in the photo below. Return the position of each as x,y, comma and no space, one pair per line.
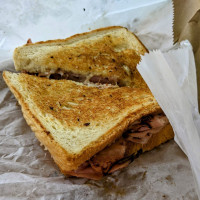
85,33
76,35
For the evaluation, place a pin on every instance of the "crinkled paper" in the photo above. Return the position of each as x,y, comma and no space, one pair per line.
27,171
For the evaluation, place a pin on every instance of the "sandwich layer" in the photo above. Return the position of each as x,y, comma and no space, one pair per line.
75,121
143,135
103,55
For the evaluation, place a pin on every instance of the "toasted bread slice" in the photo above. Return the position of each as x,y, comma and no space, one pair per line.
108,53
75,121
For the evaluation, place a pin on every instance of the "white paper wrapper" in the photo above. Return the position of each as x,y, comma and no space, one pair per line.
26,170
171,76
41,21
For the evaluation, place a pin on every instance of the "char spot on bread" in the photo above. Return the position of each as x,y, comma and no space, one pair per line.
47,132
87,124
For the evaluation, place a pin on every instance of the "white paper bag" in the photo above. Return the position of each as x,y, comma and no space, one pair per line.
171,76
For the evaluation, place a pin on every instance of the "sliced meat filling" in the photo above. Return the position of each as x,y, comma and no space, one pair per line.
96,79
143,131
112,158
103,161
86,171
105,80
119,166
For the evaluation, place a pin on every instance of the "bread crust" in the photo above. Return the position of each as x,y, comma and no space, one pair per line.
85,33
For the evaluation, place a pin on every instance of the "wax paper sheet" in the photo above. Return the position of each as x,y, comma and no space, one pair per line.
26,170
171,77
39,20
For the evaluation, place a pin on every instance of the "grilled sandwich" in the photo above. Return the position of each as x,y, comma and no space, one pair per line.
86,102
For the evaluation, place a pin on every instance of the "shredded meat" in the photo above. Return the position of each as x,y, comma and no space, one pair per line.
138,134
59,74
87,172
141,140
103,80
113,158
74,77
102,161
141,133
158,121
143,128
119,166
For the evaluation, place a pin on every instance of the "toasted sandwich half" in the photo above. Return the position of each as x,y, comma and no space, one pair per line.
89,131
98,115
106,55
